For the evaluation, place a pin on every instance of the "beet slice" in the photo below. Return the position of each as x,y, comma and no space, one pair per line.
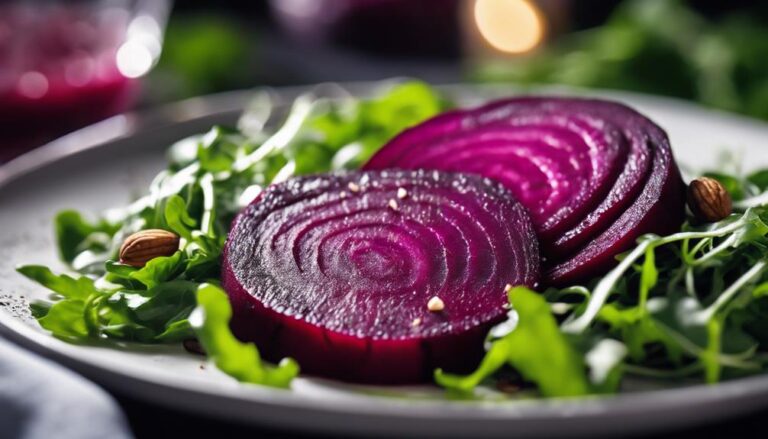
336,271
593,174
556,161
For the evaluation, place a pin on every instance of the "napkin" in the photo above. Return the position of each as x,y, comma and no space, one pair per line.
39,399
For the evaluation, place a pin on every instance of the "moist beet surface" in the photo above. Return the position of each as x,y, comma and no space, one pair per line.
594,174
325,270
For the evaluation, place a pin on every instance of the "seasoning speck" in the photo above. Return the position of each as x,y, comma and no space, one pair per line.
353,187
435,304
343,194
393,205
507,287
402,193
416,321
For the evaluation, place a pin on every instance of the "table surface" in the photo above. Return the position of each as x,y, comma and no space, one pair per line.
149,420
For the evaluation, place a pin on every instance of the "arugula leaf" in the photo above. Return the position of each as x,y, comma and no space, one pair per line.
75,235
64,285
177,217
551,361
159,270
90,312
242,361
66,320
759,179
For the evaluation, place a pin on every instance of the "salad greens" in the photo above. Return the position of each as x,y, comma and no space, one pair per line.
208,180
240,360
690,304
693,304
555,366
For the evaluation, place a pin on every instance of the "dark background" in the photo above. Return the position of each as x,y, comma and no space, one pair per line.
225,45
709,51
359,45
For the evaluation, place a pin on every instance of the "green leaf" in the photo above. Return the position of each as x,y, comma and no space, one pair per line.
218,150
66,319
496,357
551,362
754,230
648,277
338,126
178,218
159,270
176,331
404,105
759,179
39,309
120,270
210,321
168,302
80,288
683,322
72,232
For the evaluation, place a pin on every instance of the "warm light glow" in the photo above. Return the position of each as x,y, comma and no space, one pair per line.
134,59
513,26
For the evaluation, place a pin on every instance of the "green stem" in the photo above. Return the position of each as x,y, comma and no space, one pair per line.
606,285
706,314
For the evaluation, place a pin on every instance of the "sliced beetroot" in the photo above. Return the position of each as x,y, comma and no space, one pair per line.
336,271
557,162
593,174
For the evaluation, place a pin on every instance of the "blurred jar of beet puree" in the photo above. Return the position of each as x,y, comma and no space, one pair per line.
66,64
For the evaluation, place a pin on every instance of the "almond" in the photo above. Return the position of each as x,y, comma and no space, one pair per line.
146,245
709,200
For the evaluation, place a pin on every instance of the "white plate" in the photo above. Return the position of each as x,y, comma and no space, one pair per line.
109,163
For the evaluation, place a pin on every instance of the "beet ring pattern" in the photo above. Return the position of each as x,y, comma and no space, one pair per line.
336,271
593,174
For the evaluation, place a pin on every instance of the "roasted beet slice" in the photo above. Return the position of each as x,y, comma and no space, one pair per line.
578,165
556,159
336,271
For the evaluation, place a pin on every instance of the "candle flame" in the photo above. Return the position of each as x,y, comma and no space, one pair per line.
512,26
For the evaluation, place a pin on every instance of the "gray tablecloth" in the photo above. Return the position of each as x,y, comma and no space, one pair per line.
41,400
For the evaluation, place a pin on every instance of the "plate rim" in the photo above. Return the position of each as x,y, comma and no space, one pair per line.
133,124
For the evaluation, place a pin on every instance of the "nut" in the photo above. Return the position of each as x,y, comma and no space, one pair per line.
708,199
435,304
146,245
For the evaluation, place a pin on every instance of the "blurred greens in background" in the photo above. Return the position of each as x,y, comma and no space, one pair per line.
660,47
652,46
204,53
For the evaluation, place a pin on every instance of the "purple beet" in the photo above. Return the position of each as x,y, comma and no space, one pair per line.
336,271
593,174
